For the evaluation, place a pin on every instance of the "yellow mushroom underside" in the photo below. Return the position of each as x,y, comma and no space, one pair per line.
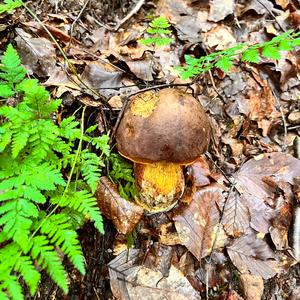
160,184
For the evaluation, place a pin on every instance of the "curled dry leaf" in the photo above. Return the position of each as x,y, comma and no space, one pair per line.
198,225
252,255
131,280
199,172
124,214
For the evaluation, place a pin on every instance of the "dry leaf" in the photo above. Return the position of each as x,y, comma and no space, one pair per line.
199,172
198,225
236,215
100,77
124,214
253,286
256,193
220,9
219,38
37,54
129,280
252,255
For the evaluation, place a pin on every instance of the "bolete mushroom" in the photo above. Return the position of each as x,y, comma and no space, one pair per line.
161,132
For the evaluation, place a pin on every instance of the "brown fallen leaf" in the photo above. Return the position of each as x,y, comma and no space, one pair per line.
253,286
236,215
131,280
37,54
124,214
198,225
252,255
256,193
220,9
102,78
199,172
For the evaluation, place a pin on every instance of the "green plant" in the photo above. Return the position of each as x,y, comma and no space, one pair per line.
121,173
158,30
224,59
48,174
9,5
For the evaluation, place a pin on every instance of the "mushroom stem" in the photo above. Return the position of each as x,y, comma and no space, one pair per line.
159,183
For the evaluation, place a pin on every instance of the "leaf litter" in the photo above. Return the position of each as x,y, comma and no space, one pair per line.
245,217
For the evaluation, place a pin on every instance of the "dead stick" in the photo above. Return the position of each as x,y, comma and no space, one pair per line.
136,8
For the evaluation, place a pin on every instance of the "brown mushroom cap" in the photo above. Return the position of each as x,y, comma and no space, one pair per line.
168,125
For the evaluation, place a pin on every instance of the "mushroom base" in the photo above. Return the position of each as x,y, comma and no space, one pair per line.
160,185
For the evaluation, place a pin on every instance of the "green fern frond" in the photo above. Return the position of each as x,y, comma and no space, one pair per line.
10,5
223,59
16,217
11,288
11,69
33,151
91,168
158,31
46,257
69,129
271,52
160,22
102,143
251,56
6,91
82,202
60,233
24,265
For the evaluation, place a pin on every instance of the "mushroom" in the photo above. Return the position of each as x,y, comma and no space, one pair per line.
161,132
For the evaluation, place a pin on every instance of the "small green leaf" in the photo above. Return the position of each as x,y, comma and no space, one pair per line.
225,63
160,22
251,56
5,91
285,45
272,52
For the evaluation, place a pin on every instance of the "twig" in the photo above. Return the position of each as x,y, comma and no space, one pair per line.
135,9
214,86
75,21
271,13
293,127
284,143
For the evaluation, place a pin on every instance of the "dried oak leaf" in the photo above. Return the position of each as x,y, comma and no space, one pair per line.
252,255
198,224
131,280
124,214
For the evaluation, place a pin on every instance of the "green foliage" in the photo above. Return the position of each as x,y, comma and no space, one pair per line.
121,173
34,153
8,6
158,30
252,54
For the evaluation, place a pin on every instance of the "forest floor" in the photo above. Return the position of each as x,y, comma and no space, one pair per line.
255,115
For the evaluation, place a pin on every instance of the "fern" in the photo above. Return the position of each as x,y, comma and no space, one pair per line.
158,31
252,54
33,153
121,172
10,5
